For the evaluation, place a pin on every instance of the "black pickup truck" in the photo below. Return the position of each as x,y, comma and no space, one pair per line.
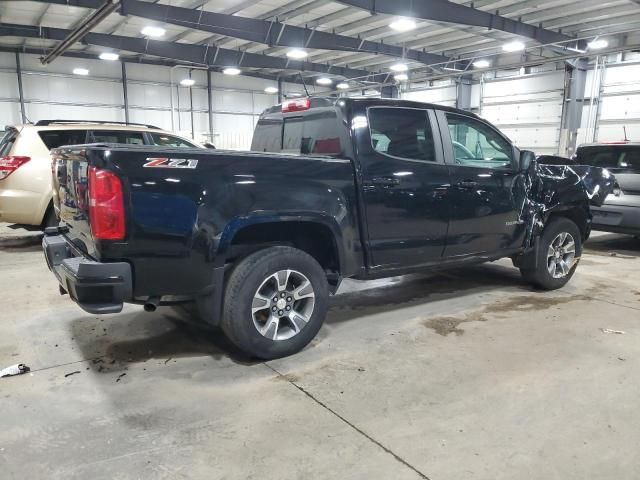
332,188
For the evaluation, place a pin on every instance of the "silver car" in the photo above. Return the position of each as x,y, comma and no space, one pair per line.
620,212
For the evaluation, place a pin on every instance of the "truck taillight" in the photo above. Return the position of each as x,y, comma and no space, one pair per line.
10,164
106,205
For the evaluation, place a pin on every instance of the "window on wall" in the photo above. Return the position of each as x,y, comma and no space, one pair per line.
475,144
402,132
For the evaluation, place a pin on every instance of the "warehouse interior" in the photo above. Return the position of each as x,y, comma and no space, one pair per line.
469,373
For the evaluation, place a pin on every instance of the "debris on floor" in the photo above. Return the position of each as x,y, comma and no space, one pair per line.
17,369
71,373
608,330
121,375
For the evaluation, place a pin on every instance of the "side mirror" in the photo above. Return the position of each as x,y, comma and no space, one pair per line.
527,158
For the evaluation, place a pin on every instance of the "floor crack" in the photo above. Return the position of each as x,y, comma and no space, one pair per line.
344,420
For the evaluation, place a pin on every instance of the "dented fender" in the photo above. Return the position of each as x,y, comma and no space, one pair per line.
548,189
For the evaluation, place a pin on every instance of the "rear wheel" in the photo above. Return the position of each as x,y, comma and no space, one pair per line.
560,251
275,302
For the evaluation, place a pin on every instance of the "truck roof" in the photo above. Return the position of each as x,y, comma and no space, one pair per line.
323,102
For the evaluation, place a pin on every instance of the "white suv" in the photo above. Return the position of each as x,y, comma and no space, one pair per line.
25,165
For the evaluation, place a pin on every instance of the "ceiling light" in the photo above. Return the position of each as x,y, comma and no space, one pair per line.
401,77
514,46
231,71
402,25
271,90
80,71
482,64
342,85
597,44
187,82
109,56
297,53
324,81
153,32
399,67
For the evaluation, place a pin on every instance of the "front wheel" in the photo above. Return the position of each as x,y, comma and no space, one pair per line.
558,256
275,302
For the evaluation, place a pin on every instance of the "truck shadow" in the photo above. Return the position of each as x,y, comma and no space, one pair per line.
613,244
115,341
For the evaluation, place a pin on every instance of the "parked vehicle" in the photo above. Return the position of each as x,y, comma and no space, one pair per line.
334,188
25,164
620,212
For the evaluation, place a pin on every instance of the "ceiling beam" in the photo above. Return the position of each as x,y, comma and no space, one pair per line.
268,32
196,54
446,11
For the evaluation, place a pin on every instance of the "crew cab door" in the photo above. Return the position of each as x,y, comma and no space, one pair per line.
485,199
404,181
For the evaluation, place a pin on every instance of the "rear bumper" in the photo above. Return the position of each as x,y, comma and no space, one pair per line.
96,287
22,206
616,218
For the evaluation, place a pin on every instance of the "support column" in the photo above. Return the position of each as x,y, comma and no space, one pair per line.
23,113
279,90
574,95
210,105
389,91
463,92
125,92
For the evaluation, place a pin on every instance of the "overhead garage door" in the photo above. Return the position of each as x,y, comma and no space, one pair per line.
527,109
619,104
441,95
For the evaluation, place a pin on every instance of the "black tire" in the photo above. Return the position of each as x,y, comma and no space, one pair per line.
540,276
50,219
244,281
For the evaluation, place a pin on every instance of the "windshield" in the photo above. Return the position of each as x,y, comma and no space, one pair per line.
614,157
8,138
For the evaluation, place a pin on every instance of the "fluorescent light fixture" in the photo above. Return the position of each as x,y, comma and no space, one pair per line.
598,44
402,25
399,67
231,71
515,46
153,32
187,82
342,85
324,81
80,71
297,53
401,77
271,90
109,56
482,63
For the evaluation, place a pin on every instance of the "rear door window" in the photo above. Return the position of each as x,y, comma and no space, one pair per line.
59,138
165,140
8,139
402,133
115,136
316,133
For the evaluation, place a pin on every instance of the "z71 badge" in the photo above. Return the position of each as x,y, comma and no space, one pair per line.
162,162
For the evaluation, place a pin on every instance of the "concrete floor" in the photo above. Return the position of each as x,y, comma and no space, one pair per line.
465,374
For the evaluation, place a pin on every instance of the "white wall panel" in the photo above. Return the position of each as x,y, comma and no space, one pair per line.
527,109
8,85
439,95
9,114
149,95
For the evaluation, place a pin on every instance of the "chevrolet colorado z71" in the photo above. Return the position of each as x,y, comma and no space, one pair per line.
333,188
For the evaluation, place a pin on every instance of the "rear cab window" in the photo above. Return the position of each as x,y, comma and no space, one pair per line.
315,133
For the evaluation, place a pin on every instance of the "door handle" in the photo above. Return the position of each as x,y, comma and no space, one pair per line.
385,181
467,184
